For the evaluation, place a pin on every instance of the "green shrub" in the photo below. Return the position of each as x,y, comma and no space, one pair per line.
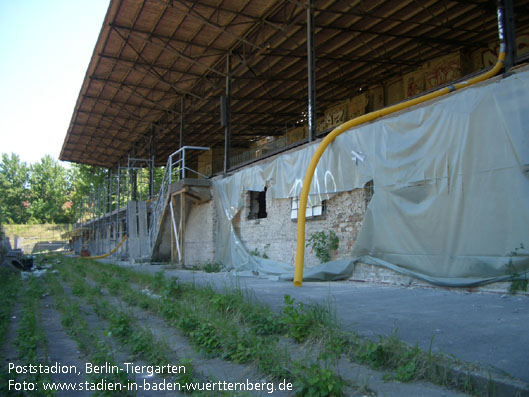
317,381
297,320
120,325
323,244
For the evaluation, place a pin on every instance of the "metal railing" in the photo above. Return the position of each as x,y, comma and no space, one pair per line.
175,170
259,151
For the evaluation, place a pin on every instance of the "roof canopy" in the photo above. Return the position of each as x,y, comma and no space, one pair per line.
155,58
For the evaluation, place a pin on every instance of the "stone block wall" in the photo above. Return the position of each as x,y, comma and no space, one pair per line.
275,235
199,245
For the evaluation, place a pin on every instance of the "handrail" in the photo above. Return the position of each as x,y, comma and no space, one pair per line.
159,205
182,160
300,245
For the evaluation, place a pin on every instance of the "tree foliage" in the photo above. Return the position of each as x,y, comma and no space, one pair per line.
50,187
14,190
39,193
47,192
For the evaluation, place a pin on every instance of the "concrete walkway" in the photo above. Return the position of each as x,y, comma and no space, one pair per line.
490,330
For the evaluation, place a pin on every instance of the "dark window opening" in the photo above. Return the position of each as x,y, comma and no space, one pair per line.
257,205
369,191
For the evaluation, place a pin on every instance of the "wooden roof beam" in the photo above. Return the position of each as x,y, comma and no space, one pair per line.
191,12
152,71
167,47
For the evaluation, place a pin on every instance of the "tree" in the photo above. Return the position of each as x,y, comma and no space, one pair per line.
14,193
50,191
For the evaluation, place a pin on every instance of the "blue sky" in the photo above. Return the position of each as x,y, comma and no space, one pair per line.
45,48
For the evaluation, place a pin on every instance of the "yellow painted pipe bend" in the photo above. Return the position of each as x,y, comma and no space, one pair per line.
300,248
111,252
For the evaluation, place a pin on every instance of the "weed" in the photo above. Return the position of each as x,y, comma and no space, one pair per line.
256,252
323,244
172,288
139,342
374,354
78,288
302,321
205,336
240,346
130,299
188,375
297,320
158,281
262,320
272,360
316,380
518,282
406,372
120,325
101,308
143,344
212,267
113,286
102,356
224,303
335,344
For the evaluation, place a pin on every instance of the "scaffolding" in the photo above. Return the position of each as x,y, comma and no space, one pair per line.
102,214
124,203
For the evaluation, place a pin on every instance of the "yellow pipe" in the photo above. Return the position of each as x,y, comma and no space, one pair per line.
300,248
111,252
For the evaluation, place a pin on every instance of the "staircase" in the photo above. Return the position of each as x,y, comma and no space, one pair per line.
163,224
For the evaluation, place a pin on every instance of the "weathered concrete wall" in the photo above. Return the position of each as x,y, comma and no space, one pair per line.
275,235
199,245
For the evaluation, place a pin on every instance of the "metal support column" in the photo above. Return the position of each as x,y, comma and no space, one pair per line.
227,115
116,230
182,107
509,31
134,184
151,164
93,212
108,207
98,225
311,70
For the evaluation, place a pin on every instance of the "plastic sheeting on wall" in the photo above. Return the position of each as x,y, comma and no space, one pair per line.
451,189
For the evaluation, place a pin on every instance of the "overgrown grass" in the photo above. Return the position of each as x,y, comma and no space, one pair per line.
206,266
44,232
233,325
9,285
98,351
30,342
123,326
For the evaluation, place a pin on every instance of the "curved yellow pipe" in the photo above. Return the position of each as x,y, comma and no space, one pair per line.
111,252
300,248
